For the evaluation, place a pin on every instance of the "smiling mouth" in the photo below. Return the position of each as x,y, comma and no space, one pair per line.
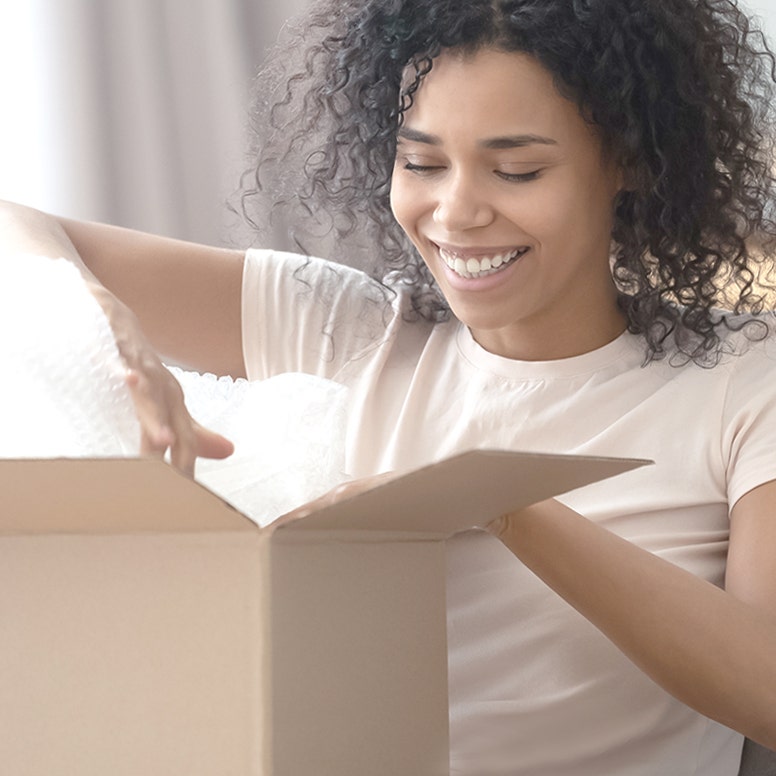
482,266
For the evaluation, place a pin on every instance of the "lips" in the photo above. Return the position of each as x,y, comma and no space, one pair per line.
482,265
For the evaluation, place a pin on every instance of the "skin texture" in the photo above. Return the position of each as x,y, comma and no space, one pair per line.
516,168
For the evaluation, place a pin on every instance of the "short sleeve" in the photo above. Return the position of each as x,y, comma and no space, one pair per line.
303,314
749,420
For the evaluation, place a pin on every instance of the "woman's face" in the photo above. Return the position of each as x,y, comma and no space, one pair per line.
505,192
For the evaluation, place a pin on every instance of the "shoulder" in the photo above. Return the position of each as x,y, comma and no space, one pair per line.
321,286
295,267
747,375
747,350
745,344
326,313
736,382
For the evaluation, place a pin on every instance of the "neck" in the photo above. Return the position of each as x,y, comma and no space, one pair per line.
536,341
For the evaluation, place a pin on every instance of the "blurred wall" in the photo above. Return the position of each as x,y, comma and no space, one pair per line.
132,111
766,11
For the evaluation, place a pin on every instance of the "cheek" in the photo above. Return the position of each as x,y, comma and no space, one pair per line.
534,213
559,212
406,203
395,198
398,200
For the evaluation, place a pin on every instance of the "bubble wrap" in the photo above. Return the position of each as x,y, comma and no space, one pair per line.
62,384
63,394
289,436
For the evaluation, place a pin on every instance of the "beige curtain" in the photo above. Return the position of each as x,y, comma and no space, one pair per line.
143,105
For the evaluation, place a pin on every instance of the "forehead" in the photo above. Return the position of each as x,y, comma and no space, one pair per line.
489,92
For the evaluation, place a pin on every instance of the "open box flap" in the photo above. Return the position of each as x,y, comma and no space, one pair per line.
132,495
461,492
108,495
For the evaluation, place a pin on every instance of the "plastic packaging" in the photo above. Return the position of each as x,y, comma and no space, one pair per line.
63,393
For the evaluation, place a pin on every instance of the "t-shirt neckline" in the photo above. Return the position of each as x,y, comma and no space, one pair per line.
625,347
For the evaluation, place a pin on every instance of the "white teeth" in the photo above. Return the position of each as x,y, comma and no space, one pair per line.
473,268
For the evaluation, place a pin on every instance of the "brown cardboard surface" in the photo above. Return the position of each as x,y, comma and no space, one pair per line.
113,496
147,627
362,631
463,491
131,655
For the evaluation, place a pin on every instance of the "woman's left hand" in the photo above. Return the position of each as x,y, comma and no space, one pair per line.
341,492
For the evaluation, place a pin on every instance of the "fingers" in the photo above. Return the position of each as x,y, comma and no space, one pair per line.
344,490
499,526
166,424
504,527
157,435
209,444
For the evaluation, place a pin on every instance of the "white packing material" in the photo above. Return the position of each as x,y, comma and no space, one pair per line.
63,389
63,393
289,437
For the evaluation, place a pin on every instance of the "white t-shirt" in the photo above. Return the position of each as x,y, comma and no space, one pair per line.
534,688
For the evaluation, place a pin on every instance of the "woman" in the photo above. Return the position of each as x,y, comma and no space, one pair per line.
582,184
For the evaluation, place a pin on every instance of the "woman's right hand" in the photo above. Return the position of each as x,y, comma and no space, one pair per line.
185,288
165,422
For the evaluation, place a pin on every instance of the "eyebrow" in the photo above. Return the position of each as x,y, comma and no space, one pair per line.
495,143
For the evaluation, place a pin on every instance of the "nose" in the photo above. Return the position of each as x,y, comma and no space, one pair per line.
461,205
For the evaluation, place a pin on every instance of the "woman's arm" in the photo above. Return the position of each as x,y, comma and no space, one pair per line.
714,650
184,297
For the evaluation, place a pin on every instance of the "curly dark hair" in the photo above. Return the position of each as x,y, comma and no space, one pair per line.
681,91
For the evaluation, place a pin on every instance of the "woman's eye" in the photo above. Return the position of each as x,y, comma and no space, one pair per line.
421,169
518,177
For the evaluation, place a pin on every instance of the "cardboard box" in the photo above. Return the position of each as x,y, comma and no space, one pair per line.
149,628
